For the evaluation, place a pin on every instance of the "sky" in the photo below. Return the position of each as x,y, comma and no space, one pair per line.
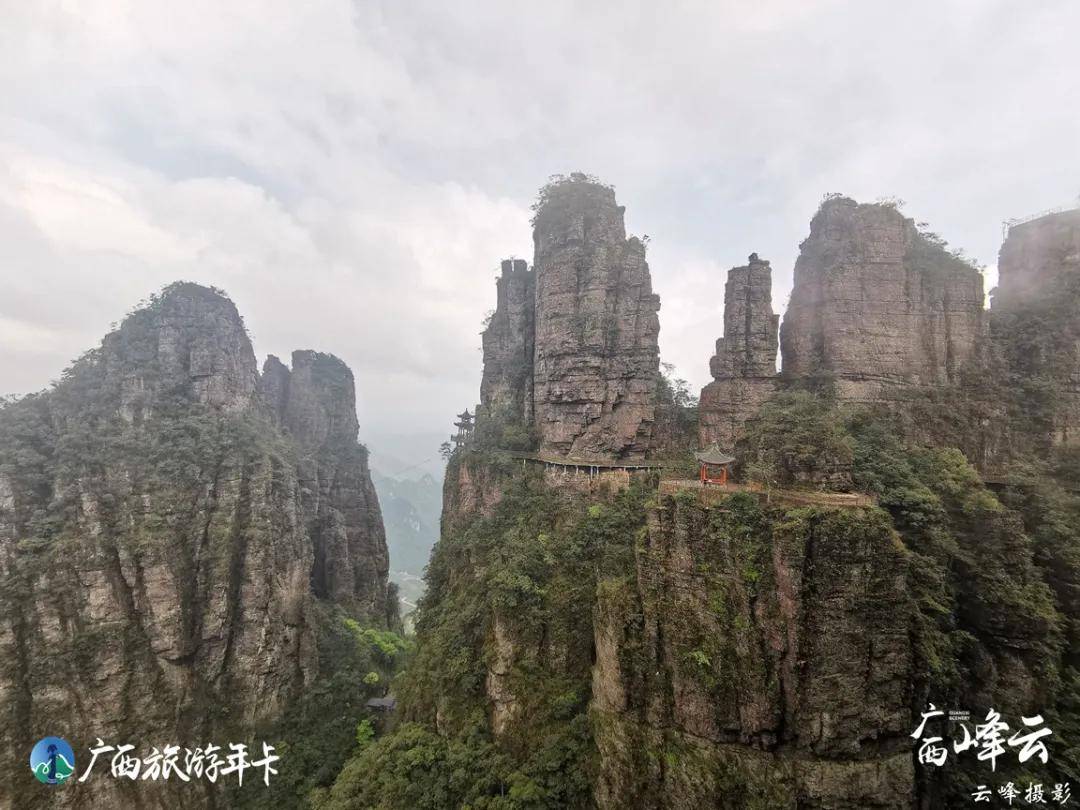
352,173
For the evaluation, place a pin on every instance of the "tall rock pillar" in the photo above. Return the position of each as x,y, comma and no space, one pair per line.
316,403
878,306
596,358
744,366
1035,324
506,387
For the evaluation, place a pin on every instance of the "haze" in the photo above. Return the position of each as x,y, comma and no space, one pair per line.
351,174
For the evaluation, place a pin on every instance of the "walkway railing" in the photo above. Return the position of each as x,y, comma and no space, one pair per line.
1012,223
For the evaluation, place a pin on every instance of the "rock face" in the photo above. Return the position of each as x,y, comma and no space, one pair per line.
744,366
192,339
316,404
506,389
1035,323
596,355
788,688
877,306
571,349
165,534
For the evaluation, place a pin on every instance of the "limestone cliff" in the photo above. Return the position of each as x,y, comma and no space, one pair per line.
757,660
506,390
660,645
744,366
167,524
596,356
878,306
571,360
316,405
1035,323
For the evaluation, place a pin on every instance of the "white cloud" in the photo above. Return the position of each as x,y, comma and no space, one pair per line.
351,173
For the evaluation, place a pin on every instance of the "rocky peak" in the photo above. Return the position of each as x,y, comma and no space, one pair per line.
744,366
748,347
1035,323
1039,259
176,553
876,304
316,401
506,387
189,344
596,358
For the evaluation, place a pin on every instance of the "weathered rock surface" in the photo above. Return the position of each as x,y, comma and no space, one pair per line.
159,541
571,349
596,353
192,339
757,664
506,390
877,306
744,366
1035,323
316,404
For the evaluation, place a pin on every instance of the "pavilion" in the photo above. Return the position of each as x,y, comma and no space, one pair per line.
714,465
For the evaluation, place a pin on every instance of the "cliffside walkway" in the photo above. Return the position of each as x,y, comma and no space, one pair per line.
710,495
581,465
584,475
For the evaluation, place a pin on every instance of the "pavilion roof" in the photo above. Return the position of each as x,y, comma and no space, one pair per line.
714,455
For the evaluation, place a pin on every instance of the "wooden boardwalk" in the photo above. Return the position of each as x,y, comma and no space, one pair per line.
712,494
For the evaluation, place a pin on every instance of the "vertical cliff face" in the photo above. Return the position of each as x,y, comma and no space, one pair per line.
160,536
1035,323
877,306
506,390
756,660
744,366
316,404
596,353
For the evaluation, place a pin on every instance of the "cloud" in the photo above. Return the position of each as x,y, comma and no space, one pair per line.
351,173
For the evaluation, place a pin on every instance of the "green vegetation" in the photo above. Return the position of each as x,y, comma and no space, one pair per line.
675,434
328,721
797,439
524,580
560,188
990,583
996,577
503,430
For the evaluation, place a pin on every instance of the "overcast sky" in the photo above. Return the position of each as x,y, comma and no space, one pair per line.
351,173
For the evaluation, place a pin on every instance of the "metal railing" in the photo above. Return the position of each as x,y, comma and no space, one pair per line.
1012,223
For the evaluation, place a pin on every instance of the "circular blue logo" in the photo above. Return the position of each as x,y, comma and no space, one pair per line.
52,760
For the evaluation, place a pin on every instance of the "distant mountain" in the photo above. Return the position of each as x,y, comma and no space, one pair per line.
410,509
407,455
